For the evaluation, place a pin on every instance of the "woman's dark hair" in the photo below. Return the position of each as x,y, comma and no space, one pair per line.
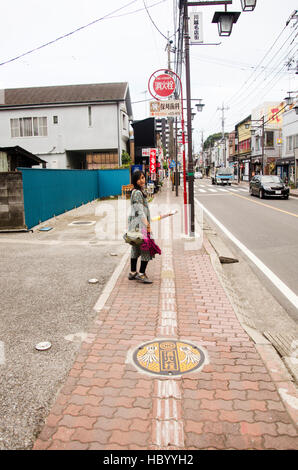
134,179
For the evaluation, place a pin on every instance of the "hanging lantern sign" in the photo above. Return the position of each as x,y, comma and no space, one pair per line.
161,85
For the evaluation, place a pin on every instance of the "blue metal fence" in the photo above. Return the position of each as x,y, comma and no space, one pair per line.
110,181
51,192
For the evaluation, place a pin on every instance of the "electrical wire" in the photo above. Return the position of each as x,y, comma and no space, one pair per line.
265,90
245,90
256,68
153,21
107,16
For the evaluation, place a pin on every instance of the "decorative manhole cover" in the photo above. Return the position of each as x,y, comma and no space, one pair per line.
169,357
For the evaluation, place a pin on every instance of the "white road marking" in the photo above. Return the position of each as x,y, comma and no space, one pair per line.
111,282
278,283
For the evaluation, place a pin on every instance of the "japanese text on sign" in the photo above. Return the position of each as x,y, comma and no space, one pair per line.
164,85
165,108
196,32
152,162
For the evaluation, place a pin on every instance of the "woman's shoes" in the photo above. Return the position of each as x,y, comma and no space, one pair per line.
132,277
143,278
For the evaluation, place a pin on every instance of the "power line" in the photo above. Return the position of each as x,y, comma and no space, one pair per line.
80,29
265,89
244,90
153,21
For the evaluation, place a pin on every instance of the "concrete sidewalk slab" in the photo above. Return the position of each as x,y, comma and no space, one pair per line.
238,399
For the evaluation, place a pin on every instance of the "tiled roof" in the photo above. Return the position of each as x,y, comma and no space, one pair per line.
64,94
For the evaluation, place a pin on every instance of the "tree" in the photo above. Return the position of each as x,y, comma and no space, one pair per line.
125,159
211,139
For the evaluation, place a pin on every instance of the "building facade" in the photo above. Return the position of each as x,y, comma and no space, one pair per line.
74,126
287,165
265,150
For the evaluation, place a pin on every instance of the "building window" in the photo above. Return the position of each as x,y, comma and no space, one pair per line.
55,119
289,144
258,143
269,139
89,116
124,121
28,127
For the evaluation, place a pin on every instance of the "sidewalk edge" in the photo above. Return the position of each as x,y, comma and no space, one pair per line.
280,373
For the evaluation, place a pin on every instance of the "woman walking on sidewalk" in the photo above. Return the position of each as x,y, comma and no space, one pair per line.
139,219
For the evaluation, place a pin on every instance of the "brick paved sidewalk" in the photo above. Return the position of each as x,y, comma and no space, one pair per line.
232,402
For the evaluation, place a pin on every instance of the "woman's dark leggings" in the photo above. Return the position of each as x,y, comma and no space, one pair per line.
133,265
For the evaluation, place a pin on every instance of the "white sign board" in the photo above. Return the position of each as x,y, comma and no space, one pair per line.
146,152
165,108
196,27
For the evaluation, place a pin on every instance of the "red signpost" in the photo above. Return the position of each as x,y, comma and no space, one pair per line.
160,87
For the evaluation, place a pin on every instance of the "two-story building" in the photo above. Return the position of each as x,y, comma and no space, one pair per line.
73,126
266,149
243,148
287,165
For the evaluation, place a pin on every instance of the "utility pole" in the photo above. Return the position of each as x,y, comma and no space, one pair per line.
223,109
189,131
170,120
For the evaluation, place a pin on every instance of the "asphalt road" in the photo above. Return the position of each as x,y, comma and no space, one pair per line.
267,227
46,296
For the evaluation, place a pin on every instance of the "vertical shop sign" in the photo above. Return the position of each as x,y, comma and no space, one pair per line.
152,163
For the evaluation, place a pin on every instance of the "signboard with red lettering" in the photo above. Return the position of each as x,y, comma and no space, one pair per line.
165,108
152,161
161,85
164,85
145,152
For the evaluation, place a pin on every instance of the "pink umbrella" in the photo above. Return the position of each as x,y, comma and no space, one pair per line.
149,244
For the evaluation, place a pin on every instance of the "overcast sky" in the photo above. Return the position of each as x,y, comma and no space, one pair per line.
247,68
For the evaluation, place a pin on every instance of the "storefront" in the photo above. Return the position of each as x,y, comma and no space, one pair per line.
285,168
245,167
256,166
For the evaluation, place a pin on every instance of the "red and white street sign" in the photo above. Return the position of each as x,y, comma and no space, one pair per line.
152,161
164,85
146,152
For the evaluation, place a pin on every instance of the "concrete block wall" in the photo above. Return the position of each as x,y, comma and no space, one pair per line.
12,214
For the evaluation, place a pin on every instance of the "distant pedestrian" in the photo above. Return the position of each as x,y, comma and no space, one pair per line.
139,219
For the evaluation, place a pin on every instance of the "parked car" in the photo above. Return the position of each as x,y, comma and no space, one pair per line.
268,185
198,175
223,176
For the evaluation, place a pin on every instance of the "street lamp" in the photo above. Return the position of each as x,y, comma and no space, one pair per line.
199,106
225,21
288,100
248,5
